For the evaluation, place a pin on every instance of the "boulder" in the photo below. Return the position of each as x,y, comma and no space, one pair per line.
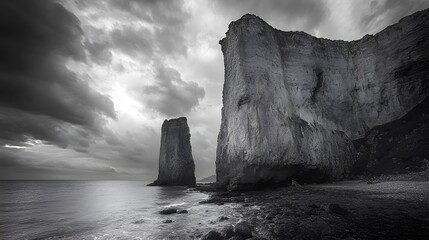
337,209
243,230
212,235
168,211
228,231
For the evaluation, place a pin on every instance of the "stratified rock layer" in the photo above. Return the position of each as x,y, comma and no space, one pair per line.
176,164
294,104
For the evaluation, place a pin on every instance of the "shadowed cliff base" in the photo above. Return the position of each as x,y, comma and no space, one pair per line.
266,176
401,146
300,107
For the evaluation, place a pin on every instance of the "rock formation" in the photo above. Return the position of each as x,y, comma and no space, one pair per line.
295,106
176,164
211,178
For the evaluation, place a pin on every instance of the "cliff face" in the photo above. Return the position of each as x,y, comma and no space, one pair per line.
176,164
294,104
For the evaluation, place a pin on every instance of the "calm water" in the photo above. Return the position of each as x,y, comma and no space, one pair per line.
104,210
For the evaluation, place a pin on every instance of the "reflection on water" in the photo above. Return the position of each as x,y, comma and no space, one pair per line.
103,210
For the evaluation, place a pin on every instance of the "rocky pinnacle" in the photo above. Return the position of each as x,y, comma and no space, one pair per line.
176,164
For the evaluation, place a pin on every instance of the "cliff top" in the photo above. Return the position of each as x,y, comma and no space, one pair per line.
179,119
246,18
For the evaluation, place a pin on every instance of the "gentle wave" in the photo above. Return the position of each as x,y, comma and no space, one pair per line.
104,210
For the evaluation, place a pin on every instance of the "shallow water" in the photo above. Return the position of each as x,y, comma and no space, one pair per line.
104,210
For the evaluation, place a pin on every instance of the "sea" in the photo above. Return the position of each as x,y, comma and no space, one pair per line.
105,210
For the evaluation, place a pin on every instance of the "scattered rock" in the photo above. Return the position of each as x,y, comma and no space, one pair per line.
168,211
213,235
237,199
228,194
269,216
209,187
223,218
228,232
310,215
313,206
140,221
213,199
295,184
337,209
168,221
243,230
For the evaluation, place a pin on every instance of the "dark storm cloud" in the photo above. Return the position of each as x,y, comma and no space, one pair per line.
170,95
134,151
167,19
112,139
132,41
170,41
37,91
99,52
391,11
159,12
18,126
307,13
9,158
28,164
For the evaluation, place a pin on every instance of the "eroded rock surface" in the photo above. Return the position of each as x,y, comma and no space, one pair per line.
176,164
294,104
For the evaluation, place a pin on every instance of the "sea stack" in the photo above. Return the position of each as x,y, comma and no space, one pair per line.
297,107
176,164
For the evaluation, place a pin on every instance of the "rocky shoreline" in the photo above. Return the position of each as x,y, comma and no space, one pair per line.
378,209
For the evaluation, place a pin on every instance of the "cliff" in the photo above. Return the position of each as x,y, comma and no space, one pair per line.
295,106
211,178
176,164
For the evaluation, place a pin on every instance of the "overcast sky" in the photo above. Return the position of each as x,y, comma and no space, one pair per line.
85,85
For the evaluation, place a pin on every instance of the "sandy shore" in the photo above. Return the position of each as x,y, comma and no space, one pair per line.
344,210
